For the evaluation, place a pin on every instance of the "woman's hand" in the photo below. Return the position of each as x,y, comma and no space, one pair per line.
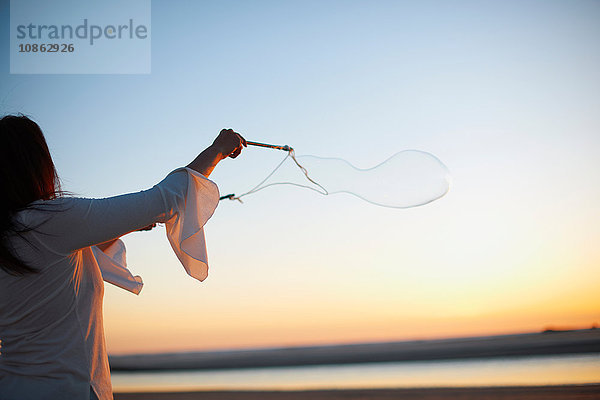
229,143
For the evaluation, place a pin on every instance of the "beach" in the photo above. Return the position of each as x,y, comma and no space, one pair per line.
543,365
563,392
527,344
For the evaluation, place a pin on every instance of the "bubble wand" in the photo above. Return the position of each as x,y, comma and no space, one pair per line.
231,196
270,146
290,153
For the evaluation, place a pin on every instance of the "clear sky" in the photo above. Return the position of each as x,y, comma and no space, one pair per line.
506,93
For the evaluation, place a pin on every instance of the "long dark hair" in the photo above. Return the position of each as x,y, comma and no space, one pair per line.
27,174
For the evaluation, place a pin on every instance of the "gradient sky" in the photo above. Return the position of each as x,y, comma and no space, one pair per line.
506,93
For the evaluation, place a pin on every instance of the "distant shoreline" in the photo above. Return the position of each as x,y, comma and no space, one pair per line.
526,344
562,392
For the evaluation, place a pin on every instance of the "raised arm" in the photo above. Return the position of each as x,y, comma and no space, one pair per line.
86,222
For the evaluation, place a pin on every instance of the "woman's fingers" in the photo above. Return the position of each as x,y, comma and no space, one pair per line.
230,142
243,140
236,152
239,149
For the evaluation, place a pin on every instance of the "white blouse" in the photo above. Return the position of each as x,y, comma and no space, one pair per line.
51,321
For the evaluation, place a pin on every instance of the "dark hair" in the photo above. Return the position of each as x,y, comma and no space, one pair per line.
27,174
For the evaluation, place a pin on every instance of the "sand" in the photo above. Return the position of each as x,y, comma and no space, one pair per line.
573,342
566,392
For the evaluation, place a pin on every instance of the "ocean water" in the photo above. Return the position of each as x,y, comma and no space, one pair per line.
530,370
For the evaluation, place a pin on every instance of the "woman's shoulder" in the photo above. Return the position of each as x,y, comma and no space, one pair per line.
40,210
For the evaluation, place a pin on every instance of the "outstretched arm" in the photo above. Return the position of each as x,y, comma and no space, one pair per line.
227,144
85,222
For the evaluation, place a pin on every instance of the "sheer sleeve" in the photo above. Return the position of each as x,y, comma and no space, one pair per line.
113,266
184,201
185,230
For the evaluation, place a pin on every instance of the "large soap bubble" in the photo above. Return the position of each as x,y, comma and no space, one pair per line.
409,178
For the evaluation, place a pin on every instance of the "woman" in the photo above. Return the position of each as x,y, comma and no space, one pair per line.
56,250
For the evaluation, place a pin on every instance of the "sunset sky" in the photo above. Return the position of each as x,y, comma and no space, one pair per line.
505,93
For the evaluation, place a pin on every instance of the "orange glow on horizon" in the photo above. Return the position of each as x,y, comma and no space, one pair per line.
283,333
